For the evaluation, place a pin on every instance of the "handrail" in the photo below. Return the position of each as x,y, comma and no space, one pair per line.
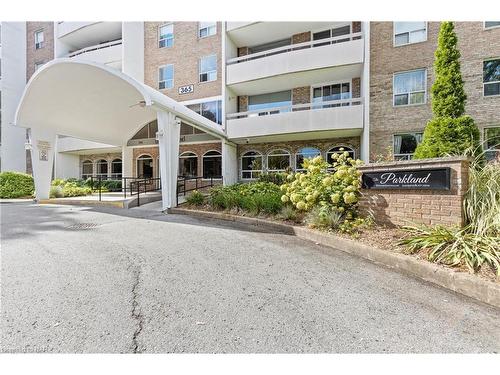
96,47
291,108
181,183
297,46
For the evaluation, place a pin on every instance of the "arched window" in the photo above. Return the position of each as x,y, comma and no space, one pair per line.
116,169
188,164
145,166
212,164
101,167
305,153
87,169
339,150
278,160
251,165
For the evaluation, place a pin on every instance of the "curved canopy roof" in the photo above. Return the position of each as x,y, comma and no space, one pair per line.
92,101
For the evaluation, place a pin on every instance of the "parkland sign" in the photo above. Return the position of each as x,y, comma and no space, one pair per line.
427,179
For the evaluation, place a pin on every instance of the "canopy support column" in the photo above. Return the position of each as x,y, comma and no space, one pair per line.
43,144
229,163
168,138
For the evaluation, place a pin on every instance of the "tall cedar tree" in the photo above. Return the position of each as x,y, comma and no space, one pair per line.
450,132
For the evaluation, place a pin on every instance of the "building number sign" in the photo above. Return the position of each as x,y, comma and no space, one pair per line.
189,89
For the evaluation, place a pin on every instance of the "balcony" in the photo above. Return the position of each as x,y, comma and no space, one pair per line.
106,53
334,118
312,61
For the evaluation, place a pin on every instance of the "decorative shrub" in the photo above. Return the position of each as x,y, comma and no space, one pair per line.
195,198
68,188
56,191
450,132
337,189
16,185
254,197
277,178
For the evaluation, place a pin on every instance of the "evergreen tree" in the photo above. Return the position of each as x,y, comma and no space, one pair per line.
450,132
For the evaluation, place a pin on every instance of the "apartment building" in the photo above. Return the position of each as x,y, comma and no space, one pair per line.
280,91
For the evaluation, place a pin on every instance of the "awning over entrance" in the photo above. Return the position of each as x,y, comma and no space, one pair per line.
95,102
92,101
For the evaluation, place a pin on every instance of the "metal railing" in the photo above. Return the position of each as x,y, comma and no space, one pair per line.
144,185
200,183
296,107
295,47
95,47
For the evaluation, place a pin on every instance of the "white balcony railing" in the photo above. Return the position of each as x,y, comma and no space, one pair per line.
296,47
296,107
95,48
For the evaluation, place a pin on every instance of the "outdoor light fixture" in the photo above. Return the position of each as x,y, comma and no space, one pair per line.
28,146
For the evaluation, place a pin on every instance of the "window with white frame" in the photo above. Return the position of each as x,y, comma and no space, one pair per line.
207,29
39,39
339,150
409,88
211,110
328,93
332,33
303,154
492,143
87,169
278,161
404,145
491,24
409,32
166,35
208,68
491,77
251,165
116,169
212,164
166,77
101,167
188,164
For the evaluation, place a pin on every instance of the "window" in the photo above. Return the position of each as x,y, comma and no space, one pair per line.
491,77
269,46
207,29
208,68
212,164
409,32
38,39
339,150
492,143
148,131
404,145
251,165
102,167
166,77
337,91
332,33
116,169
188,164
409,88
491,24
38,65
210,110
87,169
278,161
166,35
281,99
305,153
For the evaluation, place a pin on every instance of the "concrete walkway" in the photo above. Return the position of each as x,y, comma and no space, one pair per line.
88,279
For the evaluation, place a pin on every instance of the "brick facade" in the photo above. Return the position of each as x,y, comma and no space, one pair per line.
475,44
109,157
41,55
301,95
185,54
301,38
404,207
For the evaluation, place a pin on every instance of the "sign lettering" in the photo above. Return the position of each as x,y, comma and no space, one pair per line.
433,179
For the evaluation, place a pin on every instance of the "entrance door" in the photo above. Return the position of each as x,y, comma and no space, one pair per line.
145,166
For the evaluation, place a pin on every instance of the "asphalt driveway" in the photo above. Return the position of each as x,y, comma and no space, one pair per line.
79,279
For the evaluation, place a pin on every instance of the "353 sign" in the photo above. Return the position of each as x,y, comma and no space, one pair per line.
433,179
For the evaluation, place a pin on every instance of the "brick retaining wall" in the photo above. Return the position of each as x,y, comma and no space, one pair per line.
403,207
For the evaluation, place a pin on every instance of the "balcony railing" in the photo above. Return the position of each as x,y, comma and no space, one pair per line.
296,47
296,107
96,47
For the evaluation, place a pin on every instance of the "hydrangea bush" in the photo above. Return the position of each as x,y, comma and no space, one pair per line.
330,188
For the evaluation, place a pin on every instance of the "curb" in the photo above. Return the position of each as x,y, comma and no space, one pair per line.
460,282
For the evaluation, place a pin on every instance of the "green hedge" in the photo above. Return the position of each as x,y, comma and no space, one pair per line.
16,185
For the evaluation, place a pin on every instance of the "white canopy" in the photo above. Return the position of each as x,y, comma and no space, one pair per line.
95,102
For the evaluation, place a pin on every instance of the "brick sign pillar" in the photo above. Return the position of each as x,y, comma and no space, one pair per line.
403,206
